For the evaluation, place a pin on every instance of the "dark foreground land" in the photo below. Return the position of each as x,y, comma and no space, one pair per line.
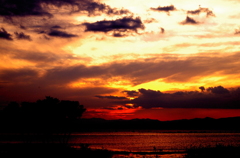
57,150
82,151
219,151
49,150
51,120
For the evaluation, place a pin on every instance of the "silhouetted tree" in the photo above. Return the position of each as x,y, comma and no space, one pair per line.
202,88
44,119
9,116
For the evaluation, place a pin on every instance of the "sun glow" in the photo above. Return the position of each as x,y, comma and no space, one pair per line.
111,49
166,86
131,98
108,82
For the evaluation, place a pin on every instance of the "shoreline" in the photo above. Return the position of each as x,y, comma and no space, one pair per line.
43,149
40,149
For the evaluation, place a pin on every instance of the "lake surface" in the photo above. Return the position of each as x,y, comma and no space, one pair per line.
171,144
150,141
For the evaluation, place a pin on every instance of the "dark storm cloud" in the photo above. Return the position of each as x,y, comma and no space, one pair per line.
18,75
44,15
21,7
138,72
187,99
189,20
45,7
119,26
164,9
218,98
110,97
22,36
32,82
201,10
150,93
62,34
98,7
19,35
131,93
218,90
68,74
5,35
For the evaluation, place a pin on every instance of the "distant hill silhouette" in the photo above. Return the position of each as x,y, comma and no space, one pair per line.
97,124
51,116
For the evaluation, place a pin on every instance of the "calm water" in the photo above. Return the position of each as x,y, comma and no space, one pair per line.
147,141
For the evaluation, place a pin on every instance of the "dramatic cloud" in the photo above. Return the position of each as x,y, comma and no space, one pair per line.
218,98
119,27
22,36
46,7
149,93
164,9
201,10
218,90
110,97
62,34
5,35
131,93
18,75
66,49
138,72
21,8
95,7
189,20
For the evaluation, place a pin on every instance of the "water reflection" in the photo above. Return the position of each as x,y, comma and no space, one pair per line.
139,141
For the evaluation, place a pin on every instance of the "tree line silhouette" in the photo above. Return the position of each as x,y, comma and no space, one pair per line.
48,120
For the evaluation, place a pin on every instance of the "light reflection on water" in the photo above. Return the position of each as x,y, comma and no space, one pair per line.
145,141
149,156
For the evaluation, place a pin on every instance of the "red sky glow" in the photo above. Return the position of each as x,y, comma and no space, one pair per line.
154,59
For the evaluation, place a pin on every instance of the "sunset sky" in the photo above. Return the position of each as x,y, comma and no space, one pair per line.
124,59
